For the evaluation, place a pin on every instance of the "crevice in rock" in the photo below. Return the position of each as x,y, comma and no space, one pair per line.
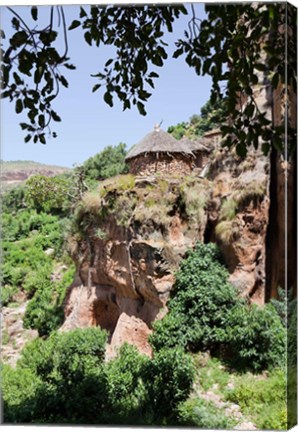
209,233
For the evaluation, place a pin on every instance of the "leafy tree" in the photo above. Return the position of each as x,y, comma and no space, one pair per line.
127,392
47,193
13,200
170,376
201,300
107,163
206,313
66,380
19,387
256,338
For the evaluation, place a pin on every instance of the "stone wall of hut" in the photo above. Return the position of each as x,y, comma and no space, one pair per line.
200,160
151,163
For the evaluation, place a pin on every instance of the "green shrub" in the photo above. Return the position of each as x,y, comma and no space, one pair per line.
212,373
202,298
70,367
19,387
37,280
169,377
7,293
65,356
256,337
126,394
108,163
262,399
202,414
206,313
13,200
44,311
48,194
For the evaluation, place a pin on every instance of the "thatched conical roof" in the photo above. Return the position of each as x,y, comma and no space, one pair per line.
201,144
158,141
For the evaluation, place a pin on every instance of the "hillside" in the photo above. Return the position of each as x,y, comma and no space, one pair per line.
14,173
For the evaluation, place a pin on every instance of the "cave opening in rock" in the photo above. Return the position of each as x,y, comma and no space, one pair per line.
106,314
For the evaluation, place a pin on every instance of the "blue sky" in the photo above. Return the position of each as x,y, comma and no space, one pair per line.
88,124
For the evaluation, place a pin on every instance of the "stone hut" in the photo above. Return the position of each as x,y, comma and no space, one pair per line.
199,150
159,152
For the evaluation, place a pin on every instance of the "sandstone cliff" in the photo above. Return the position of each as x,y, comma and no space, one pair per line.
129,236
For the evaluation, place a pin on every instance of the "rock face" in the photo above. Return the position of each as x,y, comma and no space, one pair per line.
129,237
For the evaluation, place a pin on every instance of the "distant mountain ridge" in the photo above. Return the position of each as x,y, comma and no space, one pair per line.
14,173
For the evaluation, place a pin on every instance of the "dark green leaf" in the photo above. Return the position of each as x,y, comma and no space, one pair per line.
249,110
38,75
17,79
141,108
34,13
69,66
64,82
74,25
82,13
126,104
88,38
42,139
18,39
157,60
41,121
96,87
153,75
19,106
265,148
55,116
178,53
108,98
241,149
27,138
260,67
15,23
275,80
110,61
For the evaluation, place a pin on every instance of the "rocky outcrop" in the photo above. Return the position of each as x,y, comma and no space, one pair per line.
129,237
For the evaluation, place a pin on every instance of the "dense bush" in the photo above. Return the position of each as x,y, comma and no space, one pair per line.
45,310
18,388
206,313
47,194
26,237
169,378
71,383
126,392
13,200
202,298
107,163
256,338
